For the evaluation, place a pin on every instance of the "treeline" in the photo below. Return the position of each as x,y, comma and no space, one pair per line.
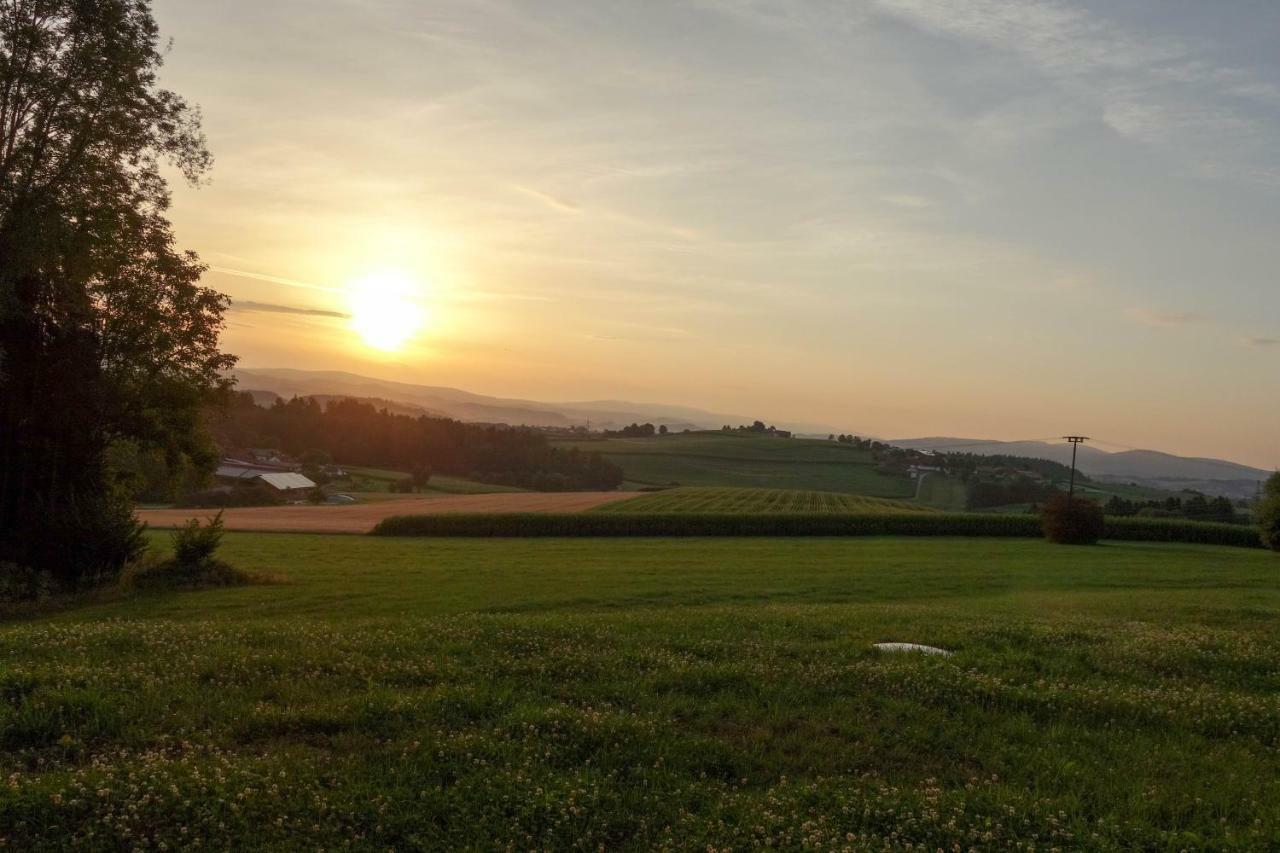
1196,508
356,433
858,442
965,465
984,494
636,431
757,427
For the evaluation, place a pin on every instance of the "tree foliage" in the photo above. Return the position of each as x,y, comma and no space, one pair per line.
1268,513
1071,520
105,332
354,432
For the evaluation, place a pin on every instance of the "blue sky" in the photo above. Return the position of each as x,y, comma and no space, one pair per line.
899,217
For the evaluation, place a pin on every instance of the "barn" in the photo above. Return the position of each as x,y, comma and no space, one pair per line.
290,485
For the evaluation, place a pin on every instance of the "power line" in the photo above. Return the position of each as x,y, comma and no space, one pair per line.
1076,441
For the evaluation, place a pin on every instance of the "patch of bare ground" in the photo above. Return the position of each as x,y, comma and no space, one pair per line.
360,518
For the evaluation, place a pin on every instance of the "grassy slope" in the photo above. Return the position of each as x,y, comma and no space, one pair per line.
378,480
755,502
651,693
735,459
944,493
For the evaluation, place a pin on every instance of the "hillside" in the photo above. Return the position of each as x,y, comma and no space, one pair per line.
466,406
735,459
1145,467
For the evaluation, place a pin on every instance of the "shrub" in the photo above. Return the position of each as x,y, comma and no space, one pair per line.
23,584
245,494
82,545
194,545
193,563
1072,521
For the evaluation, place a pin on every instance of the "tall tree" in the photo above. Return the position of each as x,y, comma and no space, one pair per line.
105,331
1268,513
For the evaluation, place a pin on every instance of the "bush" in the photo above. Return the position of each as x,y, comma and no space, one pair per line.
193,563
23,584
1072,521
194,545
247,494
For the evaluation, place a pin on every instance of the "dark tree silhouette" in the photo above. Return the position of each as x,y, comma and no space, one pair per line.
105,332
1268,513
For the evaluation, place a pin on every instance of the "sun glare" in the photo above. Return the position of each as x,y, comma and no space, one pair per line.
384,310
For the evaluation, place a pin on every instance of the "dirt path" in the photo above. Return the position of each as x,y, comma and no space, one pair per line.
360,518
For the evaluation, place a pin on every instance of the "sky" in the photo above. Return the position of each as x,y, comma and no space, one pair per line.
1004,219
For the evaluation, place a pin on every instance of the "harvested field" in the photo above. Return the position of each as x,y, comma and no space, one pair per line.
360,518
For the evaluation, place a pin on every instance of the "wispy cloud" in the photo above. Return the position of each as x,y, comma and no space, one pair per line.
1159,317
552,201
908,200
272,308
274,279
1151,87
1261,342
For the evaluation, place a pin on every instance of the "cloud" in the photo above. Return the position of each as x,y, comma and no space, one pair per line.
274,279
1158,317
1149,87
908,200
1261,342
272,308
560,204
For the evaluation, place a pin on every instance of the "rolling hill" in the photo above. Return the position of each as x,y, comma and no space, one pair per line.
1145,467
737,459
466,406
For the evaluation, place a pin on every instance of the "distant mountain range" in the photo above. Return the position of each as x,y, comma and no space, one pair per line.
1144,467
465,406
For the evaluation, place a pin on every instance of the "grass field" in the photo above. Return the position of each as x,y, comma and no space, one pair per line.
942,492
757,502
735,459
378,480
642,694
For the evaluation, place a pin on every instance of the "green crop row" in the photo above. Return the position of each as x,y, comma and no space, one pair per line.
738,501
793,524
1179,530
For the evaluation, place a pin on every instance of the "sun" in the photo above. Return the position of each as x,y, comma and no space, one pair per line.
384,311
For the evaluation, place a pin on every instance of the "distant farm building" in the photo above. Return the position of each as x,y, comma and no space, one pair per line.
288,483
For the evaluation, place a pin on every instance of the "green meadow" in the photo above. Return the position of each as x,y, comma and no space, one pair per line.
643,694
747,460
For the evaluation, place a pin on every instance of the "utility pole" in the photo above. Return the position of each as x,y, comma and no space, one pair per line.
1076,441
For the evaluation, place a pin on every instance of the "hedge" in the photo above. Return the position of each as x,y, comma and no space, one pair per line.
1177,530
797,524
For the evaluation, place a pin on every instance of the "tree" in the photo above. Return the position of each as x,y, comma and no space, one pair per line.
420,477
1268,513
662,430
1072,521
105,333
